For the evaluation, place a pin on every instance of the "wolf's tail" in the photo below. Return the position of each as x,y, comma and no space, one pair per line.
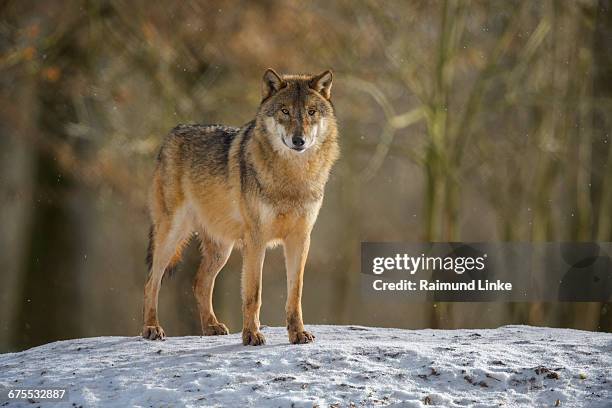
149,258
150,248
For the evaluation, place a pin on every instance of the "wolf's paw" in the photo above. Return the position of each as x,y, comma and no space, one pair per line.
153,333
300,337
252,338
217,329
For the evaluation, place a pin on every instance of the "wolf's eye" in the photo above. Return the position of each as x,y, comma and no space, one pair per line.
285,111
311,112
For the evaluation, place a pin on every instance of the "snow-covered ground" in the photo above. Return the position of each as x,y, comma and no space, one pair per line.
512,366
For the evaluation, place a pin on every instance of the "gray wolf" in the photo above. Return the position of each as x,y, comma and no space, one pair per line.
250,187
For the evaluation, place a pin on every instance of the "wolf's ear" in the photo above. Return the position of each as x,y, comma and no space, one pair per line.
322,84
272,83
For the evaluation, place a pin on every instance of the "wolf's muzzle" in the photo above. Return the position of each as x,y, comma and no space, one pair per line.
298,142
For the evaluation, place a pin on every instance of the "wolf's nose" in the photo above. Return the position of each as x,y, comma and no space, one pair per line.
298,141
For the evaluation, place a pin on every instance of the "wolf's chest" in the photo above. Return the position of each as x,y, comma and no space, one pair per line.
278,221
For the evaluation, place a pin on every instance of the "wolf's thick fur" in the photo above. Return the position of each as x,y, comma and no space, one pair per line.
247,187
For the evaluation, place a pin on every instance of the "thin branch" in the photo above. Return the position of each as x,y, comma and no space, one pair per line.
393,122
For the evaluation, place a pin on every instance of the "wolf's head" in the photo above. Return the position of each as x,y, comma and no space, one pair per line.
296,110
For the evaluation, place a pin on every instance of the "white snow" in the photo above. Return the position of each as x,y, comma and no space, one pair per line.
513,366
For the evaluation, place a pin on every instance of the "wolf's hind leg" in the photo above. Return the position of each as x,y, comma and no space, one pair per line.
169,238
214,257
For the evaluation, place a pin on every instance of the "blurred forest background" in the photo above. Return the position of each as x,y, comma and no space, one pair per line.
460,120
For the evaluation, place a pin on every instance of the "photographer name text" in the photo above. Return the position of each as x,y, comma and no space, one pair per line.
425,285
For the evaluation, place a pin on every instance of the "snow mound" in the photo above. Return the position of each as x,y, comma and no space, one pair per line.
346,366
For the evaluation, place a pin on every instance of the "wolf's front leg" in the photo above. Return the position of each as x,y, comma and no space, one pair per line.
253,257
296,252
